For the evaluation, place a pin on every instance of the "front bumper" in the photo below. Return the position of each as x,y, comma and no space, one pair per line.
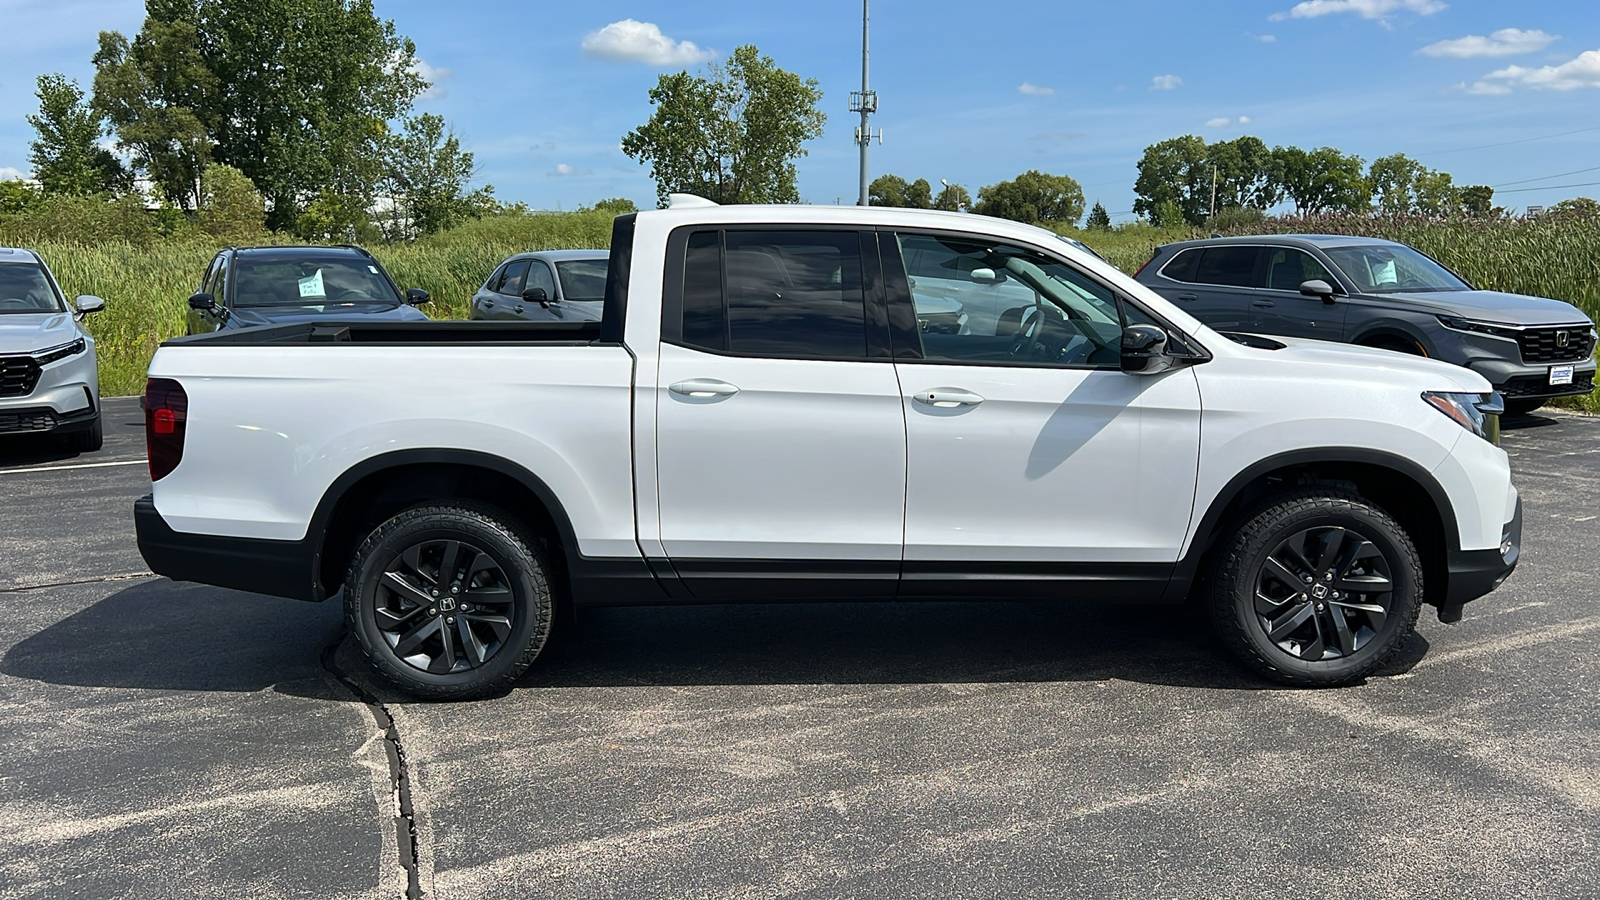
1474,573
45,420
1525,381
279,568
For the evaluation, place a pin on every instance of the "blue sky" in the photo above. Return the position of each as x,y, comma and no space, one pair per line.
976,94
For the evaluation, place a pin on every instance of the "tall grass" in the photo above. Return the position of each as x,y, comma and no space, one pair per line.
146,283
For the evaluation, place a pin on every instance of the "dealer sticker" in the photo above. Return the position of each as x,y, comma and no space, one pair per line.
1560,374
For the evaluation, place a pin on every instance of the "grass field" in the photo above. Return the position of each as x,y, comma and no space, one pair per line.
145,286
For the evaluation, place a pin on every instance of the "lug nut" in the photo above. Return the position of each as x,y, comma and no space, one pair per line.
433,612
1308,579
1328,577
436,593
450,620
455,588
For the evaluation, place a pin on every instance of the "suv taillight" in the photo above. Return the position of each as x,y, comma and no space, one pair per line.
166,411
1155,253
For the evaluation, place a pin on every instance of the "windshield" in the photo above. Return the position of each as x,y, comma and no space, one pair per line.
1389,269
314,281
24,289
583,279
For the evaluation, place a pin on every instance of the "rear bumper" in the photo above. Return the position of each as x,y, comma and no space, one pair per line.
279,568
1474,573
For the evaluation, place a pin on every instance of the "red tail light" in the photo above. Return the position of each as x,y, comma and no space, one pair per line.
1153,254
166,410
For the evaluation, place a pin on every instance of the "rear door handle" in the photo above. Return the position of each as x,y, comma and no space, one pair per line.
1188,296
704,387
947,398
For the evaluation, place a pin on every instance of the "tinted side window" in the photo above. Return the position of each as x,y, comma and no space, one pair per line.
539,277
705,319
1287,269
1181,267
511,279
1234,266
494,280
220,288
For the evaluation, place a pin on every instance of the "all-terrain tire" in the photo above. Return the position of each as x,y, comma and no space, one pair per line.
1252,603
401,609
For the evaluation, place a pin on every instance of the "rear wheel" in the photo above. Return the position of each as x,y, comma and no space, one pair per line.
1316,589
1522,407
449,601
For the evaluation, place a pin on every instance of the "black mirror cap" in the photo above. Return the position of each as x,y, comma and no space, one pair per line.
1144,350
417,296
535,295
204,301
1318,288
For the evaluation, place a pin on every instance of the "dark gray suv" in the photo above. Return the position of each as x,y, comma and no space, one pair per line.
1380,294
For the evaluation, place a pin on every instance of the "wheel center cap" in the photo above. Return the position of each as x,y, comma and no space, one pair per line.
1320,591
447,603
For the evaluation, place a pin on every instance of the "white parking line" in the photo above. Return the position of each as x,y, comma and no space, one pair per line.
98,465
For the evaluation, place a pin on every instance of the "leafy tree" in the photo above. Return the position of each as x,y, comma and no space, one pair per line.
1098,218
1242,168
732,136
919,194
887,190
1175,171
339,217
1321,180
1394,179
426,174
1437,194
953,198
296,94
230,206
1034,197
1576,207
1168,214
1478,200
66,156
617,206
17,197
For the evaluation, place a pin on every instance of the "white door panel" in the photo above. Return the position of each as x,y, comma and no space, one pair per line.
1053,465
778,459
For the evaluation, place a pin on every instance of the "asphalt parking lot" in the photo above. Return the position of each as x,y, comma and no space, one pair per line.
170,740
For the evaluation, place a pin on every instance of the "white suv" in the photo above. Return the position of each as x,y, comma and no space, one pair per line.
49,383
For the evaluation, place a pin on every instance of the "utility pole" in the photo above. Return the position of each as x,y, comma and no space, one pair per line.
1213,193
865,102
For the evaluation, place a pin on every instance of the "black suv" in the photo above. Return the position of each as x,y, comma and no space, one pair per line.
247,286
1380,294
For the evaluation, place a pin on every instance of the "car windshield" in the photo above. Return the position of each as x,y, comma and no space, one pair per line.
1391,269
24,289
583,279
313,281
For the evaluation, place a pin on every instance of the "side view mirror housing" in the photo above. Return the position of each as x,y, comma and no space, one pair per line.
417,296
987,276
202,301
1318,288
1144,350
537,295
88,303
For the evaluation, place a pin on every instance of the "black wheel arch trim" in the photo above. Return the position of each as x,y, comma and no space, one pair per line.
1211,523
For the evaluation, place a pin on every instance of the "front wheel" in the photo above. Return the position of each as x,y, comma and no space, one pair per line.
1316,589
89,440
449,602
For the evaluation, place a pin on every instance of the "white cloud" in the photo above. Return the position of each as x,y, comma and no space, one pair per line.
1165,82
1034,90
433,75
1483,87
1366,9
1245,120
1267,38
7,173
565,171
1505,42
1584,71
1225,121
633,41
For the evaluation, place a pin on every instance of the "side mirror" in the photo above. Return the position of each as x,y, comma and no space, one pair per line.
417,296
987,276
89,303
203,301
536,295
1318,288
1144,350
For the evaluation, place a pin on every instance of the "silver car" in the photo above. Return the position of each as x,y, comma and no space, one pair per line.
547,285
49,381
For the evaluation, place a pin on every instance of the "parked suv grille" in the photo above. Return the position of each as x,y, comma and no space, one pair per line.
27,420
18,375
1539,386
1556,344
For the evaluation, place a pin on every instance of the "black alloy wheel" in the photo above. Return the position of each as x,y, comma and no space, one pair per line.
1323,593
449,601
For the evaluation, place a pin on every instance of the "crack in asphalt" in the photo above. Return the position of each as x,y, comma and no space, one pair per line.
399,772
124,576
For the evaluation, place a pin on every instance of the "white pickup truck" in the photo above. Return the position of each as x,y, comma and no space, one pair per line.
825,403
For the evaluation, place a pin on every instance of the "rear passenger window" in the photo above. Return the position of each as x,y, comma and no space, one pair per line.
1235,266
1181,267
511,279
775,293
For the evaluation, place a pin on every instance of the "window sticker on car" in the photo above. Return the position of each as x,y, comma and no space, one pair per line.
1384,273
311,285
372,269
1560,375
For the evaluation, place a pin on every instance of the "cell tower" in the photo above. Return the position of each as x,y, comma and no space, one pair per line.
865,102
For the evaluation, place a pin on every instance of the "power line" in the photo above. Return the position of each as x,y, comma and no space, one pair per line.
1509,143
1546,178
1550,187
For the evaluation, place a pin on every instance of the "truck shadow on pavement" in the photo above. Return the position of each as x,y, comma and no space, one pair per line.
163,635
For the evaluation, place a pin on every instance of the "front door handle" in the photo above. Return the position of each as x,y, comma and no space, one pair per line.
1188,296
947,398
703,387
1263,303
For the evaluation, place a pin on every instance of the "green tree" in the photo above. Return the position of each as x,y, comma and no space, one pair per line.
425,177
1099,220
1033,197
617,206
17,197
1437,194
296,94
1321,180
230,206
1394,180
953,198
919,194
731,136
1242,169
1478,200
887,190
66,155
1175,171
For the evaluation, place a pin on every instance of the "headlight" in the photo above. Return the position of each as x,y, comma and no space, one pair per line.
53,354
1477,413
1457,323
